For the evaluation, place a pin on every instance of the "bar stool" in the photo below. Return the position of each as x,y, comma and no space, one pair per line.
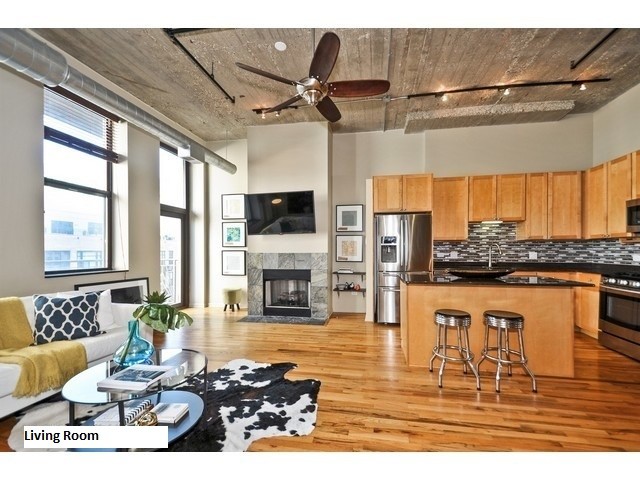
503,323
460,320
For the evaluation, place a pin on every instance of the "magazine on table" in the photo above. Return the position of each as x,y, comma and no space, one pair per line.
132,410
136,378
170,413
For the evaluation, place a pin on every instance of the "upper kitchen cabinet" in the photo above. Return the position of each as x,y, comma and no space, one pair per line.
635,174
564,208
403,193
497,197
606,189
450,208
535,225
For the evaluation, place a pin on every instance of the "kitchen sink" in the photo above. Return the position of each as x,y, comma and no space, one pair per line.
480,272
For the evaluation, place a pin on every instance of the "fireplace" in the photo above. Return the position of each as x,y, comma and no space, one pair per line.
313,266
287,292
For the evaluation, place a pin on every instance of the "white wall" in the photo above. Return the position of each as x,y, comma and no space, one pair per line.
535,147
21,193
616,127
221,182
292,157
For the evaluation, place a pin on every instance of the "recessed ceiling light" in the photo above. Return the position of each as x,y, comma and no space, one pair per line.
280,46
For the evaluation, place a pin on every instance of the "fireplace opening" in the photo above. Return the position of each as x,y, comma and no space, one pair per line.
287,293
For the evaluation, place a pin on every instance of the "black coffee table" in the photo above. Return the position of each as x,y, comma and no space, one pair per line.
83,389
174,432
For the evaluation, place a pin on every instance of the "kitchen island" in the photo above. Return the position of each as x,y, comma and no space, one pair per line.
546,303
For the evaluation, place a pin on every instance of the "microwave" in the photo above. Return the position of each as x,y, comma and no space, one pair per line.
633,216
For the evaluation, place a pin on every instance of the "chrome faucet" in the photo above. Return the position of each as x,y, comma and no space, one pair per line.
491,250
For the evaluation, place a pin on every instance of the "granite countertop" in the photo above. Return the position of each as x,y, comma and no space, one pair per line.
600,268
441,277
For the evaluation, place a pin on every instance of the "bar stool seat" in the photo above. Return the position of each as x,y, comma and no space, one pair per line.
504,322
444,319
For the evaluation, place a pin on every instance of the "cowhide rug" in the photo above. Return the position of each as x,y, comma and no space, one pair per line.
246,401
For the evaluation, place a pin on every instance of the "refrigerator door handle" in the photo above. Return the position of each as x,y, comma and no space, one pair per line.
403,240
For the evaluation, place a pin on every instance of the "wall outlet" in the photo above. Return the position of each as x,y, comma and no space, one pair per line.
453,255
533,255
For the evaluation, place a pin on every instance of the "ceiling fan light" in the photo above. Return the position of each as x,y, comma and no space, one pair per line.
263,115
583,87
312,96
507,91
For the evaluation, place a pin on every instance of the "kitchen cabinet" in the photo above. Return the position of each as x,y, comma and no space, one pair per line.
403,193
450,208
618,192
534,226
606,188
635,174
595,202
588,304
564,207
497,197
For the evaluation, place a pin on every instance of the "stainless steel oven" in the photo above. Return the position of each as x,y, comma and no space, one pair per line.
619,323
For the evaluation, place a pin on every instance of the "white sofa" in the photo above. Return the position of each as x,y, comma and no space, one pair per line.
113,318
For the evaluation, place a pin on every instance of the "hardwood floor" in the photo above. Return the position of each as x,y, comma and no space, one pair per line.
371,401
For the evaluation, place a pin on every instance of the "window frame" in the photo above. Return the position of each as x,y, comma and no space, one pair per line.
183,215
108,155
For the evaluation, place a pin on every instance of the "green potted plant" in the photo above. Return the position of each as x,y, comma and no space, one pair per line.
159,315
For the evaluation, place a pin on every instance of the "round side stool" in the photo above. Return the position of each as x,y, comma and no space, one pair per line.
231,298
460,352
503,323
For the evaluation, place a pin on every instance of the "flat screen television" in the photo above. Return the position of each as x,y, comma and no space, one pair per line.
280,213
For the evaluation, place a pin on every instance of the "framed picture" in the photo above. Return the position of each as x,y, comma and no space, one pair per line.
233,206
122,291
349,218
234,234
233,262
349,248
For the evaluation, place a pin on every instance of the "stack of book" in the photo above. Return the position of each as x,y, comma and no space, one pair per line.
135,378
132,410
170,413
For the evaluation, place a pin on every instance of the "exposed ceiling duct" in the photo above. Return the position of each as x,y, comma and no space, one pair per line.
26,54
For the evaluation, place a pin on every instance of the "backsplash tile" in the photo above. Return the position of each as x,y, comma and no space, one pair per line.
481,236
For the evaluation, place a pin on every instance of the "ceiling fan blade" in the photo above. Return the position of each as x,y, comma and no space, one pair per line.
324,58
329,110
272,76
358,88
284,104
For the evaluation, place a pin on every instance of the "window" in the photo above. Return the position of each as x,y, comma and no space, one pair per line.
78,156
174,222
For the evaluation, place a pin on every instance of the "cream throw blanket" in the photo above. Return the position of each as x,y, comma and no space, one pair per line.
42,367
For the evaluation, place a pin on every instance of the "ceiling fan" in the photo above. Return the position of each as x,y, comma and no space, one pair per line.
315,89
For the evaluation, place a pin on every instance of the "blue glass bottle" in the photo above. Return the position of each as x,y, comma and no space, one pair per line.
135,349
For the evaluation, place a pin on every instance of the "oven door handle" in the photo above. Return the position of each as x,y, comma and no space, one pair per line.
620,291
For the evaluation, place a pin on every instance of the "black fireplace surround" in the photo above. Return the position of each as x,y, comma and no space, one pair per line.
290,298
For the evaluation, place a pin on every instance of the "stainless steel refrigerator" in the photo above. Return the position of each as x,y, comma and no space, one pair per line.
404,243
